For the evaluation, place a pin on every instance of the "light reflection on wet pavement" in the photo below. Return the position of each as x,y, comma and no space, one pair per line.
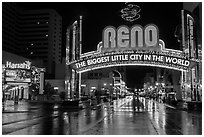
129,116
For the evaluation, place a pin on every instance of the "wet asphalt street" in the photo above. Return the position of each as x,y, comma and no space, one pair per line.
128,116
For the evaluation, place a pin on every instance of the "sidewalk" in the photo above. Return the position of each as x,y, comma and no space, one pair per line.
9,107
184,106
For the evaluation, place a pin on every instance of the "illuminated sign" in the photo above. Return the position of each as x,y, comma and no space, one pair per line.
17,75
125,38
132,46
131,12
145,58
37,76
25,65
188,32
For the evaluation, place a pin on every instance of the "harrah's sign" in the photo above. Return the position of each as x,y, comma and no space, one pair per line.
25,65
125,38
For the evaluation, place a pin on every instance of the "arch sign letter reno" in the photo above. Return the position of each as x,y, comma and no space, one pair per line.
132,46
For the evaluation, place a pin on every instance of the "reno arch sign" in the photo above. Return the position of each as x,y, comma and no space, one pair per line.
132,46
125,38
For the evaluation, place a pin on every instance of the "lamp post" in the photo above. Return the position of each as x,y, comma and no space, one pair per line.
3,99
3,83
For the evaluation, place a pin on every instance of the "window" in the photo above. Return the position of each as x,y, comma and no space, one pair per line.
91,74
95,74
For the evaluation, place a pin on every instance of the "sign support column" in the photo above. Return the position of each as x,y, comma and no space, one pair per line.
80,52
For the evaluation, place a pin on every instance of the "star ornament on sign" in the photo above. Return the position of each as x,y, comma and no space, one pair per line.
130,12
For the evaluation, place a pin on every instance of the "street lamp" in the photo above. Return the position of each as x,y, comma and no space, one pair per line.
56,88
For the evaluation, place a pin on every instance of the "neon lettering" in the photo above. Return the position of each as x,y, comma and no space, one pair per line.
109,37
135,37
123,37
98,60
151,37
25,65
81,64
177,61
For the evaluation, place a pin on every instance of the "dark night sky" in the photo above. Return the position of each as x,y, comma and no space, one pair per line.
98,15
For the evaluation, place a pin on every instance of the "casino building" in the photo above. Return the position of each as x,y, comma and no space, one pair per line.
33,34
191,42
17,75
29,35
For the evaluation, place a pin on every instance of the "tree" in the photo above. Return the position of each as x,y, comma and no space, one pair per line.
34,90
49,90
62,95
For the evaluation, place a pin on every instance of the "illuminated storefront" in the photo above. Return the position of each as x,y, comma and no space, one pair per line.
106,81
17,75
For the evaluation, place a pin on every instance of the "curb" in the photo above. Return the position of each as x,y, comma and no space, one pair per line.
15,111
175,107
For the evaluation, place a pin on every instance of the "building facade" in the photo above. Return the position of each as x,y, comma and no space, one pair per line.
18,73
10,19
108,81
34,34
191,81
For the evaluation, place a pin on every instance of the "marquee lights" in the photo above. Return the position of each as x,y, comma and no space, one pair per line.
136,64
22,73
133,58
132,46
36,75
161,48
17,75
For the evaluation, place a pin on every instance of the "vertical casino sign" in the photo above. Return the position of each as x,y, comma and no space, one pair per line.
37,77
190,48
188,34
